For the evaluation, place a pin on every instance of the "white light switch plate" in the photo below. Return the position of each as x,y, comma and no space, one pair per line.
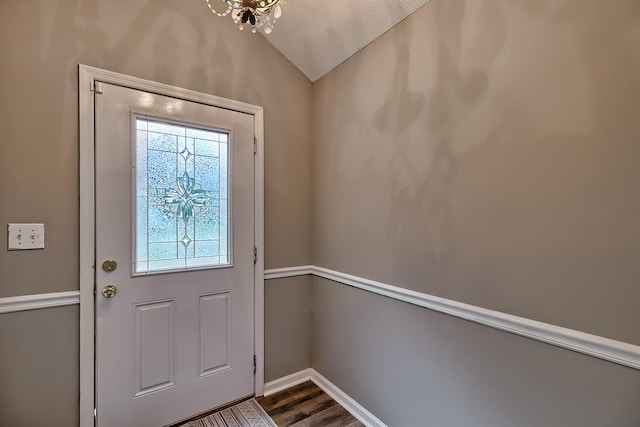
25,236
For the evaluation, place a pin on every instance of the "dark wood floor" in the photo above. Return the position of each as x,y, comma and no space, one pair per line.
306,405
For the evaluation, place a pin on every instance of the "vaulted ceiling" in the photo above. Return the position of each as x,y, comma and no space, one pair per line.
319,35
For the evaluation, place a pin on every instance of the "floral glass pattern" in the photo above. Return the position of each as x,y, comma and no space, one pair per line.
182,199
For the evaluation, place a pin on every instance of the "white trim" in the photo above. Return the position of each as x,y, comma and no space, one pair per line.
38,301
259,243
357,410
287,381
278,273
87,76
310,374
87,245
593,345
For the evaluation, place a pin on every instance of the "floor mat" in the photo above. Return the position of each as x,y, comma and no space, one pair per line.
245,414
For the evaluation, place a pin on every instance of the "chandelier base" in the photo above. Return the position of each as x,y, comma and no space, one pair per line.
260,14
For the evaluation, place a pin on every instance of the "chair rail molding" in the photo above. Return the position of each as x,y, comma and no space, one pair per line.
619,352
38,301
279,273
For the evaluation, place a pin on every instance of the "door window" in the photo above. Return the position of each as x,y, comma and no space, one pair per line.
182,206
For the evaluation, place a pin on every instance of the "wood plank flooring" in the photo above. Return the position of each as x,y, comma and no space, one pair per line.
306,405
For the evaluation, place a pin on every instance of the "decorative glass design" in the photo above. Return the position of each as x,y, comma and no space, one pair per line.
182,198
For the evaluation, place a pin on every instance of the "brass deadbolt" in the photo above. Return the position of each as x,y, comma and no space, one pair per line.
109,265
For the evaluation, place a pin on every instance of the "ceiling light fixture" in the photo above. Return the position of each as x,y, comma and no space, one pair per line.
256,13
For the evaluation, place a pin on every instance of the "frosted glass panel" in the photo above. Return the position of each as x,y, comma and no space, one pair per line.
181,207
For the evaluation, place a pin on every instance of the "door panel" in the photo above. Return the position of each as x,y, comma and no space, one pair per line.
214,332
174,209
154,346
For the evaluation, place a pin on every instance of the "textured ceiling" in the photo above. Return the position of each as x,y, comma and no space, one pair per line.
318,35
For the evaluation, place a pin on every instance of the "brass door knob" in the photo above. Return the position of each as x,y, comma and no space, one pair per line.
109,291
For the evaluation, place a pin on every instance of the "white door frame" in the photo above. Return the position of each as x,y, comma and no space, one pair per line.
86,84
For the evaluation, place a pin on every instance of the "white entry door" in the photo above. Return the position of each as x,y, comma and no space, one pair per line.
174,257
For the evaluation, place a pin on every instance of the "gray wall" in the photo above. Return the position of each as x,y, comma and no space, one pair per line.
174,42
493,160
39,359
486,152
415,367
287,326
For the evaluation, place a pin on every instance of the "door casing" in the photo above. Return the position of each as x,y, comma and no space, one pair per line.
89,81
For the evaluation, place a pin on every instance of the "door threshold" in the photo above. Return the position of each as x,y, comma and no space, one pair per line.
212,411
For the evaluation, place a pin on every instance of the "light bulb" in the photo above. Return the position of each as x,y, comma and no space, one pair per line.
277,11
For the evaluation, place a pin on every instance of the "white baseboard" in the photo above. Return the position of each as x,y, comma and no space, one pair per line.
353,407
288,381
357,410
